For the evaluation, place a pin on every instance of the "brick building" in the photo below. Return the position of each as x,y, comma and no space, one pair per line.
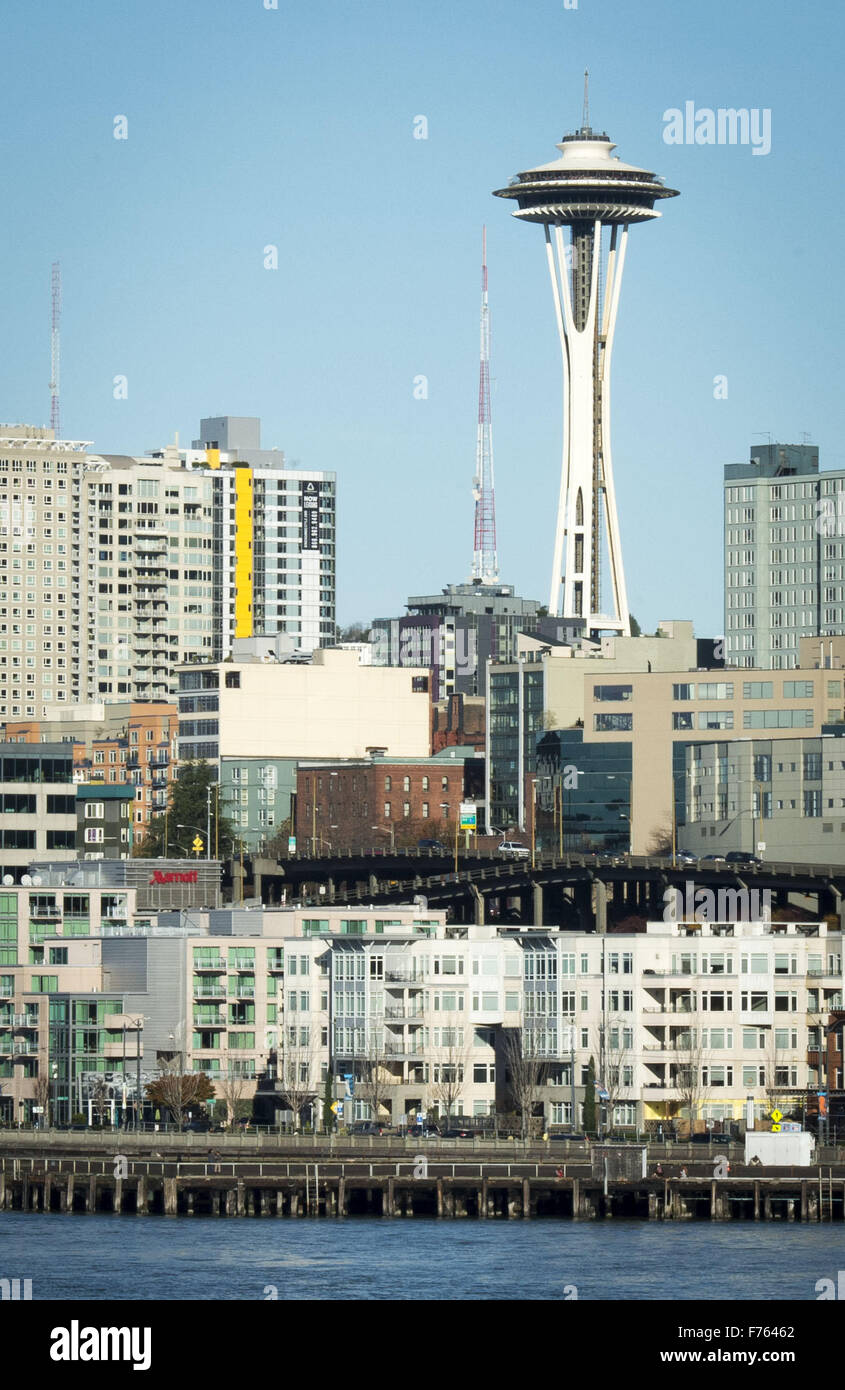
458,721
394,802
130,743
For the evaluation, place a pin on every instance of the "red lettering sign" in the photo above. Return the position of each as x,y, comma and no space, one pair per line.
159,877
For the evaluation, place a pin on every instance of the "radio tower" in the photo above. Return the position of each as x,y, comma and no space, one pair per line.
485,565
54,351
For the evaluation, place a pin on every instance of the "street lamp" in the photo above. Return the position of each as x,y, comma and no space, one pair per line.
534,781
387,830
179,826
444,806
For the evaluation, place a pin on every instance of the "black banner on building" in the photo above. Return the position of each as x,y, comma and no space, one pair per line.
310,516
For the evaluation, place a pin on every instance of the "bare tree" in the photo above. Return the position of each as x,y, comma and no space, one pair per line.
777,1089
448,1064
525,1062
296,1069
41,1088
376,1080
232,1085
610,1043
687,1075
661,840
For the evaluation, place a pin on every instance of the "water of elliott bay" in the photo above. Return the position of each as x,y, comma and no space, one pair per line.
156,1258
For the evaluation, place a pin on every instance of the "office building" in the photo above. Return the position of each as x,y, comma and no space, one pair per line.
255,719
782,800
455,633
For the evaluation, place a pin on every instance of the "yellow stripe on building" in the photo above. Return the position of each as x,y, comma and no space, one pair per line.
243,552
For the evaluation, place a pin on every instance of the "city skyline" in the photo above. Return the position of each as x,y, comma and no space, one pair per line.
334,378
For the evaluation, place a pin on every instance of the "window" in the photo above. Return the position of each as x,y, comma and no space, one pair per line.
798,690
233,680
683,691
715,719
613,692
612,723
757,690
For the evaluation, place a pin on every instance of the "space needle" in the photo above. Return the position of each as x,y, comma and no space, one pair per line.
587,189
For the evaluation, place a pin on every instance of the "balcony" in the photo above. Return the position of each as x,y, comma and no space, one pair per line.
246,992
213,967
210,992
246,963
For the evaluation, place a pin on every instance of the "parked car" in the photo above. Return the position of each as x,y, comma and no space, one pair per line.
366,1127
569,1138
513,849
738,856
459,1133
435,845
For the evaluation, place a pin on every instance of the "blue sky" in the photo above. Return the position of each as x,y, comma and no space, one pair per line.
294,127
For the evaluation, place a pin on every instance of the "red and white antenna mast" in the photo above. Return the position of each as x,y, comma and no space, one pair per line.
485,564
55,424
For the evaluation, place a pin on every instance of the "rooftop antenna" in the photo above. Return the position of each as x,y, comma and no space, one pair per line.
54,350
485,564
585,121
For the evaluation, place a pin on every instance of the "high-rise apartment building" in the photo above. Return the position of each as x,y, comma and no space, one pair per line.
114,570
277,533
784,554
40,565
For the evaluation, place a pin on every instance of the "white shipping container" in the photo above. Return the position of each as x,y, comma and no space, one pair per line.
788,1150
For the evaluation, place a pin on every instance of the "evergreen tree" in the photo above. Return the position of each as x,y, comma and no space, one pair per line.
590,1099
188,807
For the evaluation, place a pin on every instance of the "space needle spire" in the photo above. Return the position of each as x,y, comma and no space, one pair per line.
585,190
485,564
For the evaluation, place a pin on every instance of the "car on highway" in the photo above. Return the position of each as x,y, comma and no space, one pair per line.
436,846
712,859
684,856
513,850
738,856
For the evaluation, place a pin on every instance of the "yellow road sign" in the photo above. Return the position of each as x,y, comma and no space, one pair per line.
197,846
